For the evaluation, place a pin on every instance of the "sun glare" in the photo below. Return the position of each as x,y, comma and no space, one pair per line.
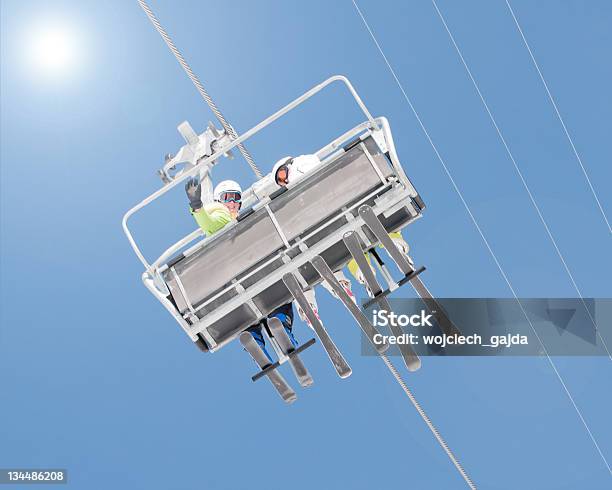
53,50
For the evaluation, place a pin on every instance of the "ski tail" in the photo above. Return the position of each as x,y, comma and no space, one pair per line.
337,359
282,387
284,342
435,308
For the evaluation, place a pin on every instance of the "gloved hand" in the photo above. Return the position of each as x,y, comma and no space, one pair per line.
193,188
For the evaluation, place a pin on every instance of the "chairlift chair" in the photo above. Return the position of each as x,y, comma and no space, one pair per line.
289,239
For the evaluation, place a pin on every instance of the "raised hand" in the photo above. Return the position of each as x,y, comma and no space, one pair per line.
193,188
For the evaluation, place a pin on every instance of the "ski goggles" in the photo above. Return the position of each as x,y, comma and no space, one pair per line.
231,196
282,173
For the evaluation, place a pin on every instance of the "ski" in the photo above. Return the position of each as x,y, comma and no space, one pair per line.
340,364
351,240
282,387
370,219
284,342
434,307
368,329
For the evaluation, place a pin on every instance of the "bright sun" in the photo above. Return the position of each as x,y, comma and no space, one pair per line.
53,50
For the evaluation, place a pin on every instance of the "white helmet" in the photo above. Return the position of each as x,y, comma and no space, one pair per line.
279,164
226,186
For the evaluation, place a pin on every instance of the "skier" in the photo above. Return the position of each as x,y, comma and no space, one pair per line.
291,170
212,217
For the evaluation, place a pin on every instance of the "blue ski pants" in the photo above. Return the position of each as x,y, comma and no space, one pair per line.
285,314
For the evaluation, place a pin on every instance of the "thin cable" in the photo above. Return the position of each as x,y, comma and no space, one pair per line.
554,104
467,208
520,174
226,125
428,421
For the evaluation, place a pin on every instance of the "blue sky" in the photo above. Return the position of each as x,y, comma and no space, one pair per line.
95,375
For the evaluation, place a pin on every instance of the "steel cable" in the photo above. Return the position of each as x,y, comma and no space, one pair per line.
226,125
428,421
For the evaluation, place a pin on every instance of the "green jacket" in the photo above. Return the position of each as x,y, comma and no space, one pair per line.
212,217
